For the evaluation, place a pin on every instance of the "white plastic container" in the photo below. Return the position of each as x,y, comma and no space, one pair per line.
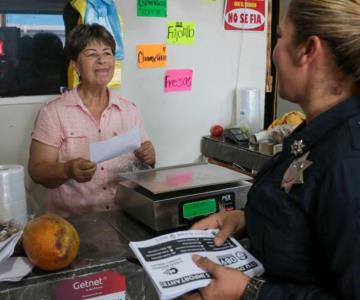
12,194
248,108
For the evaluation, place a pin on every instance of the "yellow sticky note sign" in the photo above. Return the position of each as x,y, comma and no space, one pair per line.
182,33
151,56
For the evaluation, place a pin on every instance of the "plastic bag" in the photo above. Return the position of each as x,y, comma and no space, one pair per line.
280,132
104,13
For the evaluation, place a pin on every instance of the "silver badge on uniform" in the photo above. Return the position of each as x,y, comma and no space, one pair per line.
297,147
295,173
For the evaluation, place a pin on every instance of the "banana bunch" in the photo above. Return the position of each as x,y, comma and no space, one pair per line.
290,118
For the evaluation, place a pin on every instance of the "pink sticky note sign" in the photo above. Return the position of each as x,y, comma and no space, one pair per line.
178,80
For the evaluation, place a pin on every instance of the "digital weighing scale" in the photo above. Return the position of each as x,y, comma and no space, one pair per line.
173,197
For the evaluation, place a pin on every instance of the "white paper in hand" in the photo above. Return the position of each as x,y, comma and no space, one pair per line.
115,146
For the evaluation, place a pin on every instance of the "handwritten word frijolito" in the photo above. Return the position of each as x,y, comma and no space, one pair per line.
151,56
181,33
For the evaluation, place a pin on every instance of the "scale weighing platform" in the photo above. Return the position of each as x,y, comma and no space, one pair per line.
174,197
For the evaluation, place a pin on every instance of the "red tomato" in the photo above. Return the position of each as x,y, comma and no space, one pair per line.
216,130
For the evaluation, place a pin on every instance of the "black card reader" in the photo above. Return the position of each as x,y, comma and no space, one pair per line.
235,135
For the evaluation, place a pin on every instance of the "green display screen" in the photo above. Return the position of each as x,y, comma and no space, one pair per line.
199,208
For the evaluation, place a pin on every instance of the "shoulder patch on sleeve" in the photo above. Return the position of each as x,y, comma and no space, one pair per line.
354,125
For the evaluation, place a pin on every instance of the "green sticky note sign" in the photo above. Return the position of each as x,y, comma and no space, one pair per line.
152,8
181,33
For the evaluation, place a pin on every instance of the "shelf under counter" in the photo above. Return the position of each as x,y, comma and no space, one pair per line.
235,155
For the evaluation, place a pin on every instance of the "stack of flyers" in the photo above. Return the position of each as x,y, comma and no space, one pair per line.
168,260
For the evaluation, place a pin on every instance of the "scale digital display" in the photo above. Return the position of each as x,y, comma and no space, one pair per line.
199,208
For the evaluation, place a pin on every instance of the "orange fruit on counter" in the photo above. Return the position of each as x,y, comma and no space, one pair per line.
50,242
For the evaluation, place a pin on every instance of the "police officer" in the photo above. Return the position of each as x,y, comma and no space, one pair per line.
303,211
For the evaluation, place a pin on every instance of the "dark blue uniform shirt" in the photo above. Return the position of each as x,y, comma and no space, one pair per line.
309,238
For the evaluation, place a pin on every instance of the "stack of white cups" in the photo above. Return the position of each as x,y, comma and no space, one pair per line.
12,194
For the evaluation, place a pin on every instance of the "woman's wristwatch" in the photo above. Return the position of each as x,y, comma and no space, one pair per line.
252,289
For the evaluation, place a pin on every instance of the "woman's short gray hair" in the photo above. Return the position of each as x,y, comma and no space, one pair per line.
81,35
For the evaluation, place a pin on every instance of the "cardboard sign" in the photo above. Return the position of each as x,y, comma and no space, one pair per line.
178,80
244,15
182,33
151,8
151,56
109,285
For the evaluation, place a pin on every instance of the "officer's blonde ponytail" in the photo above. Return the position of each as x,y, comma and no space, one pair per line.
337,22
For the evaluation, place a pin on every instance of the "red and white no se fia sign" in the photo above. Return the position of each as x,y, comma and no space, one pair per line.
244,15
